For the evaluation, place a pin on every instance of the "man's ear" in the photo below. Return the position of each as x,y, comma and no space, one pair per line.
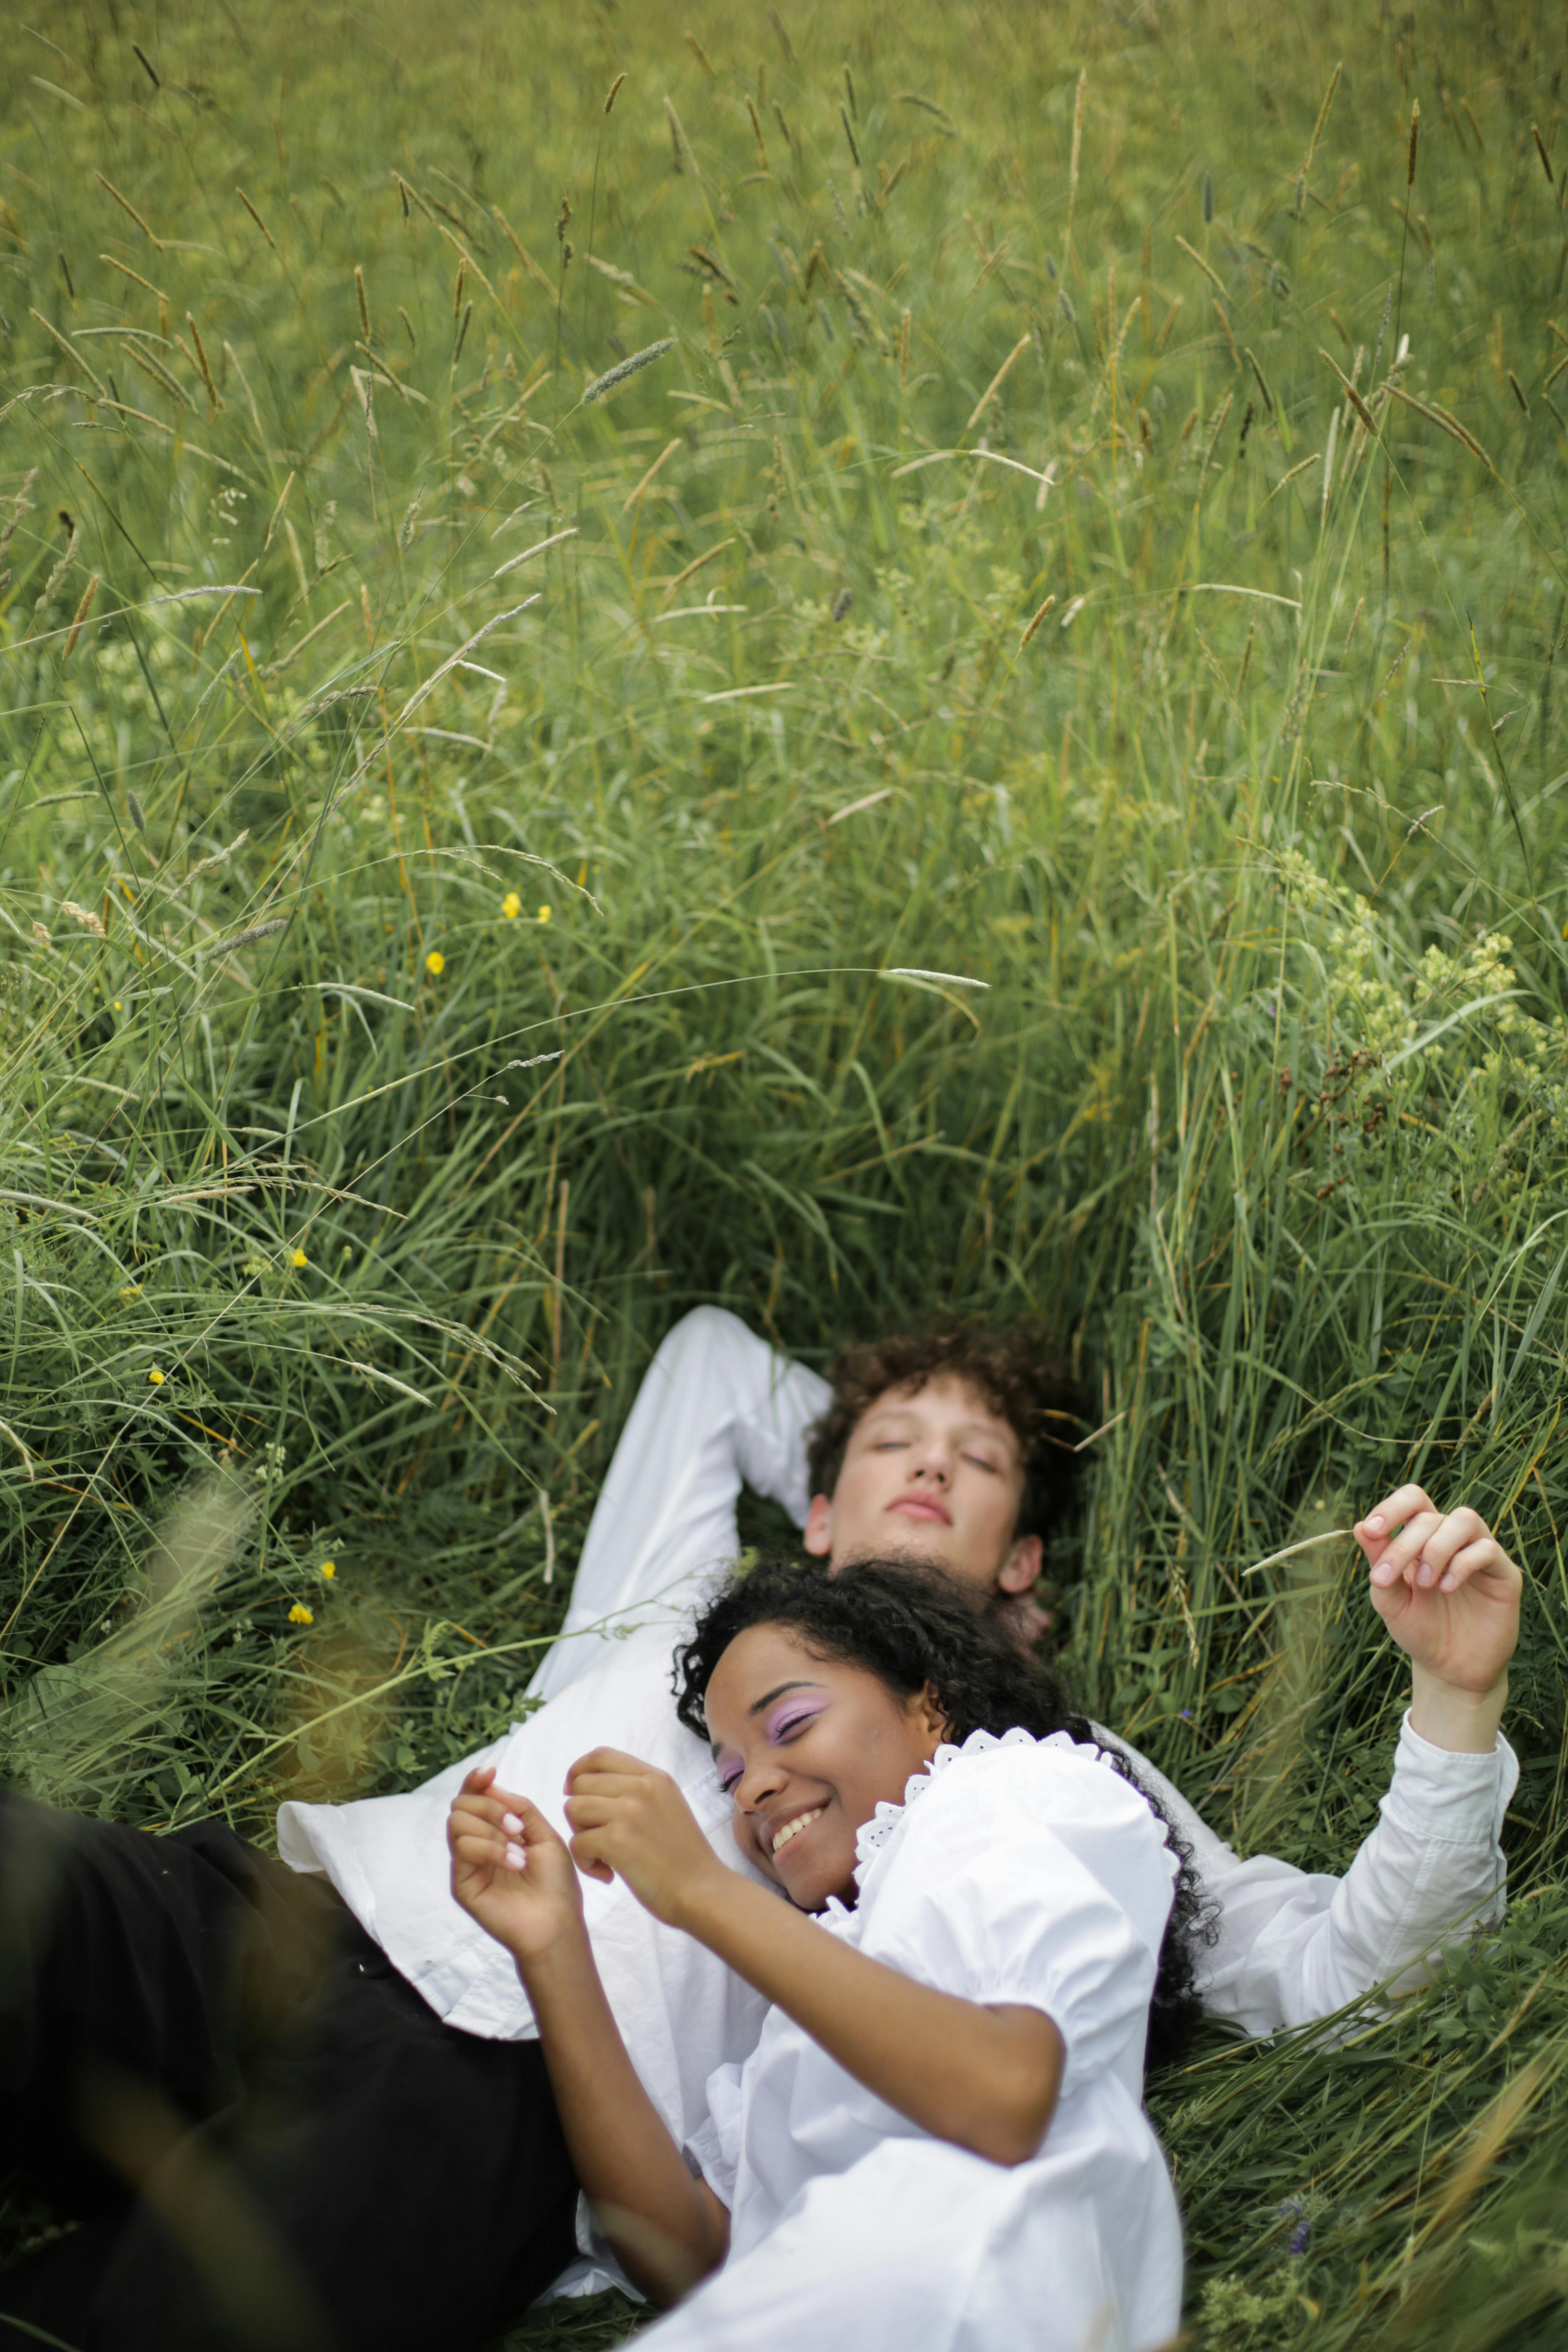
1022,1567
817,1535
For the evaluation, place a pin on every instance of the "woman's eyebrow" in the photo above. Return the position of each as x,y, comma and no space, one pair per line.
777,1692
766,1700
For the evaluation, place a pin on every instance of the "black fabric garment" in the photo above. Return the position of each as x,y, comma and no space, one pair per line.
276,2146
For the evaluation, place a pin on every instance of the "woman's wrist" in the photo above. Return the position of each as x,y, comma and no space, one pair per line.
706,1902
1465,1722
560,1966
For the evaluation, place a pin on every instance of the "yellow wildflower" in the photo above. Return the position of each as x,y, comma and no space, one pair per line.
156,1377
512,906
300,1258
435,963
329,1569
300,1615
544,914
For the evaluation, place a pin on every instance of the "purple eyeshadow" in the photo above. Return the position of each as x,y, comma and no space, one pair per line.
792,1714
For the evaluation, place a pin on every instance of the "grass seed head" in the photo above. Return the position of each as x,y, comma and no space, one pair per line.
246,938
127,206
20,505
62,567
613,378
1321,122
205,371
256,216
1035,621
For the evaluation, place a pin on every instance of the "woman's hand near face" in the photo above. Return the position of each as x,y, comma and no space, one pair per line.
510,1870
631,1822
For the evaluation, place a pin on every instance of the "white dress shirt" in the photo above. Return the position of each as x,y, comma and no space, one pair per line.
717,1409
1031,1873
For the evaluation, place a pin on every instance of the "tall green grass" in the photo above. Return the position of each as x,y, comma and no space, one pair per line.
1189,971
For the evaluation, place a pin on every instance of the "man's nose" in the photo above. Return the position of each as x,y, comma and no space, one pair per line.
933,1466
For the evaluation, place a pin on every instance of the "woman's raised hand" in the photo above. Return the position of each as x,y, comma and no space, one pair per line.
632,1821
510,1870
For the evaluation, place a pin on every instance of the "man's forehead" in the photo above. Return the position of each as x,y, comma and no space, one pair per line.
948,1394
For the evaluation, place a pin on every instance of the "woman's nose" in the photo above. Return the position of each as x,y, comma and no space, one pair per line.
757,1785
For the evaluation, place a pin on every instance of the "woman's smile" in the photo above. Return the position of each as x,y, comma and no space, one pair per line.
793,1828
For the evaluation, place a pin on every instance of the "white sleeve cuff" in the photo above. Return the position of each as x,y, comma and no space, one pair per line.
1449,1793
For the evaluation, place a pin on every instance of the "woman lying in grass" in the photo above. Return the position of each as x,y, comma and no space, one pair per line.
939,2140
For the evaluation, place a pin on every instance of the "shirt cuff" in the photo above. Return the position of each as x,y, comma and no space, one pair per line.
705,2159
1449,1793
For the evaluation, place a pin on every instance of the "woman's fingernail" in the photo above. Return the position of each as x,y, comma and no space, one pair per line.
515,1857
1426,1574
511,1823
1376,1523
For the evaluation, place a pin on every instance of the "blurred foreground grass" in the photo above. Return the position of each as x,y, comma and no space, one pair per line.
1018,762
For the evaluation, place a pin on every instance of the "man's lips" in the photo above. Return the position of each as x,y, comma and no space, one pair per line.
922,1507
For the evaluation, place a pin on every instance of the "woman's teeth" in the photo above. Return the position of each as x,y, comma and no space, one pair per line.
793,1829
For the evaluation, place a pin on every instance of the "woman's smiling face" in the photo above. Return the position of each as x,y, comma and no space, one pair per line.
808,1748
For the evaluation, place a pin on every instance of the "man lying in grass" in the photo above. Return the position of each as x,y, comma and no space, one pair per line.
939,2141
280,2095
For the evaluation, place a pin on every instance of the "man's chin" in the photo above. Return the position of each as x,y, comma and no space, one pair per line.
918,1544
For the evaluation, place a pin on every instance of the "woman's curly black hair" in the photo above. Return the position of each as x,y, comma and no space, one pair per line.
914,1626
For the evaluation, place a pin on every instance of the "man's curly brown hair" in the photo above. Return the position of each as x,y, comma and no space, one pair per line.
1012,1370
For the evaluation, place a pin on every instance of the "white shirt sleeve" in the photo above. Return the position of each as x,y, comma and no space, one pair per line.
717,1409
713,2149
1032,1874
1297,1945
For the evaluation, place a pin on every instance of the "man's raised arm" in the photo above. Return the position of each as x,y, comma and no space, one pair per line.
717,1409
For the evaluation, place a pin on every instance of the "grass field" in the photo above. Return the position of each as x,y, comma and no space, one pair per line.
1012,754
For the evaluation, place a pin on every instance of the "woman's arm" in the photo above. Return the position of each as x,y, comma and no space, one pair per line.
985,2078
667,2229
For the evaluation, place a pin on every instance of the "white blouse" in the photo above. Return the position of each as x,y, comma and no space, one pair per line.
1019,1871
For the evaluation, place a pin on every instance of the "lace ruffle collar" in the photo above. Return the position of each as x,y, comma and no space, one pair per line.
874,1835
